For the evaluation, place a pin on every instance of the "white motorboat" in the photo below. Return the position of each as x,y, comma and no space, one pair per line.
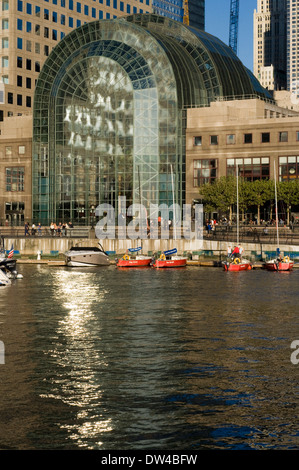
86,256
4,279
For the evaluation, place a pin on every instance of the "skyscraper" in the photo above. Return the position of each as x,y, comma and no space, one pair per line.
270,39
174,9
292,50
31,29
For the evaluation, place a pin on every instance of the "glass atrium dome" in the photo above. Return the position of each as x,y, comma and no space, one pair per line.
109,113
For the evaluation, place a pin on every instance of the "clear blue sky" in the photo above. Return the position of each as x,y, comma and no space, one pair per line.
217,23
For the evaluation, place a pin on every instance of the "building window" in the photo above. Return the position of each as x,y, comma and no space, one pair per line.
19,100
20,5
19,62
15,179
28,27
288,168
19,24
230,139
214,139
5,61
86,10
5,79
37,48
54,17
250,169
46,32
62,20
28,64
19,43
19,80
46,50
265,137
71,22
78,7
46,14
28,82
247,138
21,149
28,8
10,98
37,12
5,23
28,46
204,171
37,66
37,29
54,34
5,43
71,5
283,136
28,101
198,140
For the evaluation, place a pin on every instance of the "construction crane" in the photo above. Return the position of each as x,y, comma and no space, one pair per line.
186,12
233,25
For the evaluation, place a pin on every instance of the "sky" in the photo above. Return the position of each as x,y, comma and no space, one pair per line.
217,23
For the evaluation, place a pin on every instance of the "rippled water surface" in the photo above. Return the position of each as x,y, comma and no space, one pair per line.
194,358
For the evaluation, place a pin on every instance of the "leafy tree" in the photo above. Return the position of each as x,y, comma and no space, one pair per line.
221,195
288,192
261,192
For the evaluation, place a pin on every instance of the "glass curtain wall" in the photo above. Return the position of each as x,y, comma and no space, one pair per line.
105,124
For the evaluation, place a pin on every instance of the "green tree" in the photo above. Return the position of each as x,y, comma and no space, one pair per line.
261,192
221,195
288,192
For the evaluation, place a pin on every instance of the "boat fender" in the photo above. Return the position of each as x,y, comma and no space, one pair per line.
126,257
162,256
286,259
237,261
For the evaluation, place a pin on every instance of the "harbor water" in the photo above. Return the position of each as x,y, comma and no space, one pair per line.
182,359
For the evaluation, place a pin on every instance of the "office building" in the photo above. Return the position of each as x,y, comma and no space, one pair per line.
292,52
178,9
269,44
110,113
251,134
29,32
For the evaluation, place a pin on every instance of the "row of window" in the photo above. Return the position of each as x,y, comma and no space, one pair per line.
70,4
19,100
247,138
251,169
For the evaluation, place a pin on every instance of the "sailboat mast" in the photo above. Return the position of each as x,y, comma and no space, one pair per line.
276,209
237,175
172,185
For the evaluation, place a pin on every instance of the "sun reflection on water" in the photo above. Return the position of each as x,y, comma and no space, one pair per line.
78,354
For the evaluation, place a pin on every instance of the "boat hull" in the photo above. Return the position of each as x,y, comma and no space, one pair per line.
279,266
137,262
170,263
86,259
237,267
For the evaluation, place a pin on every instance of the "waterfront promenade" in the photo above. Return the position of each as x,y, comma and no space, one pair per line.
258,242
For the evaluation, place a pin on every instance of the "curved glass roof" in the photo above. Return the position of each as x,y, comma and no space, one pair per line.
213,69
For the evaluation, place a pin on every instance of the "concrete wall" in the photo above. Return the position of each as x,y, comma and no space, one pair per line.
31,246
